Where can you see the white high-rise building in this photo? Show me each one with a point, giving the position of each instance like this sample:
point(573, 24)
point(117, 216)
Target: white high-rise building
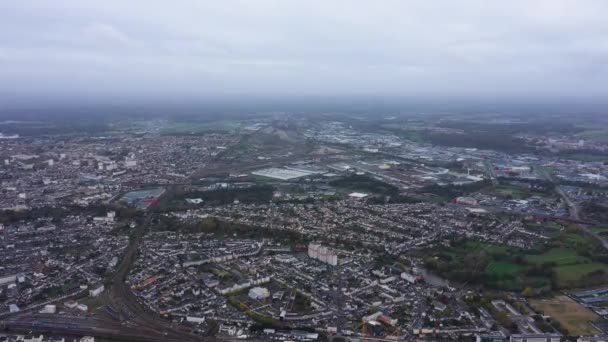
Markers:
point(313, 250)
point(323, 254)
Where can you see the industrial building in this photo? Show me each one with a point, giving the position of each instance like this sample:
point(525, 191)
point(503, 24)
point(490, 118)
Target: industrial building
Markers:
point(283, 174)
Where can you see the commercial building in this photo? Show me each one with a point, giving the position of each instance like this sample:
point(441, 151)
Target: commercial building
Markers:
point(282, 174)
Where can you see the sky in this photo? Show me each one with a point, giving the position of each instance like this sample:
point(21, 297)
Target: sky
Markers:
point(71, 50)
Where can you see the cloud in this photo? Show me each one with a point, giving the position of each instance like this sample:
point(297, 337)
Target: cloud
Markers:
point(106, 33)
point(329, 47)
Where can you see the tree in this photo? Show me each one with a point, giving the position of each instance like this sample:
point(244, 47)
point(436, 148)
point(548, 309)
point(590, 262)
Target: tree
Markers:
point(528, 292)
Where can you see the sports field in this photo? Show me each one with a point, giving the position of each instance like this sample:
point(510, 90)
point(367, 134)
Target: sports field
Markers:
point(570, 314)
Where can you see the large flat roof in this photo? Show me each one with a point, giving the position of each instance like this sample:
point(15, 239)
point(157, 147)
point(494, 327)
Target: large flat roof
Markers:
point(282, 174)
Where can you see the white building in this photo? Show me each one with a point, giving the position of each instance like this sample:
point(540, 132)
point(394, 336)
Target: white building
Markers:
point(70, 304)
point(8, 280)
point(409, 277)
point(259, 293)
point(358, 195)
point(31, 338)
point(192, 319)
point(313, 250)
point(323, 254)
point(96, 290)
point(130, 163)
point(49, 309)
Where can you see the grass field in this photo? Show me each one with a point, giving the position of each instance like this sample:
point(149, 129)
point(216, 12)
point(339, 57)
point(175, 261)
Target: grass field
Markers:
point(513, 191)
point(490, 248)
point(501, 268)
point(599, 229)
point(96, 303)
point(572, 273)
point(512, 269)
point(572, 239)
point(560, 256)
point(570, 314)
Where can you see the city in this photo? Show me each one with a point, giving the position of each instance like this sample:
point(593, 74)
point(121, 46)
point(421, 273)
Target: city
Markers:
point(291, 228)
point(304, 170)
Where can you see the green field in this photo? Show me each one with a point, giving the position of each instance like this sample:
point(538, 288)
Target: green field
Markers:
point(95, 303)
point(565, 263)
point(573, 239)
point(486, 247)
point(501, 268)
point(559, 256)
point(573, 273)
point(599, 230)
point(513, 191)
point(584, 157)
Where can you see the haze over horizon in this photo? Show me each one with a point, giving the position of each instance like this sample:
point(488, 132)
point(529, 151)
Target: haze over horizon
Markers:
point(68, 51)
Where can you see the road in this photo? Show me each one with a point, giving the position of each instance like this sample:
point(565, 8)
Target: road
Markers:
point(575, 215)
point(574, 210)
point(572, 207)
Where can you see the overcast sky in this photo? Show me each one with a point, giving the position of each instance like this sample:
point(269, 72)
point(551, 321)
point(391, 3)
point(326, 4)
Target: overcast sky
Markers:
point(191, 48)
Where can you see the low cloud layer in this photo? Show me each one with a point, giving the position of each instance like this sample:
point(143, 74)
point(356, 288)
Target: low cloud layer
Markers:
point(192, 48)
